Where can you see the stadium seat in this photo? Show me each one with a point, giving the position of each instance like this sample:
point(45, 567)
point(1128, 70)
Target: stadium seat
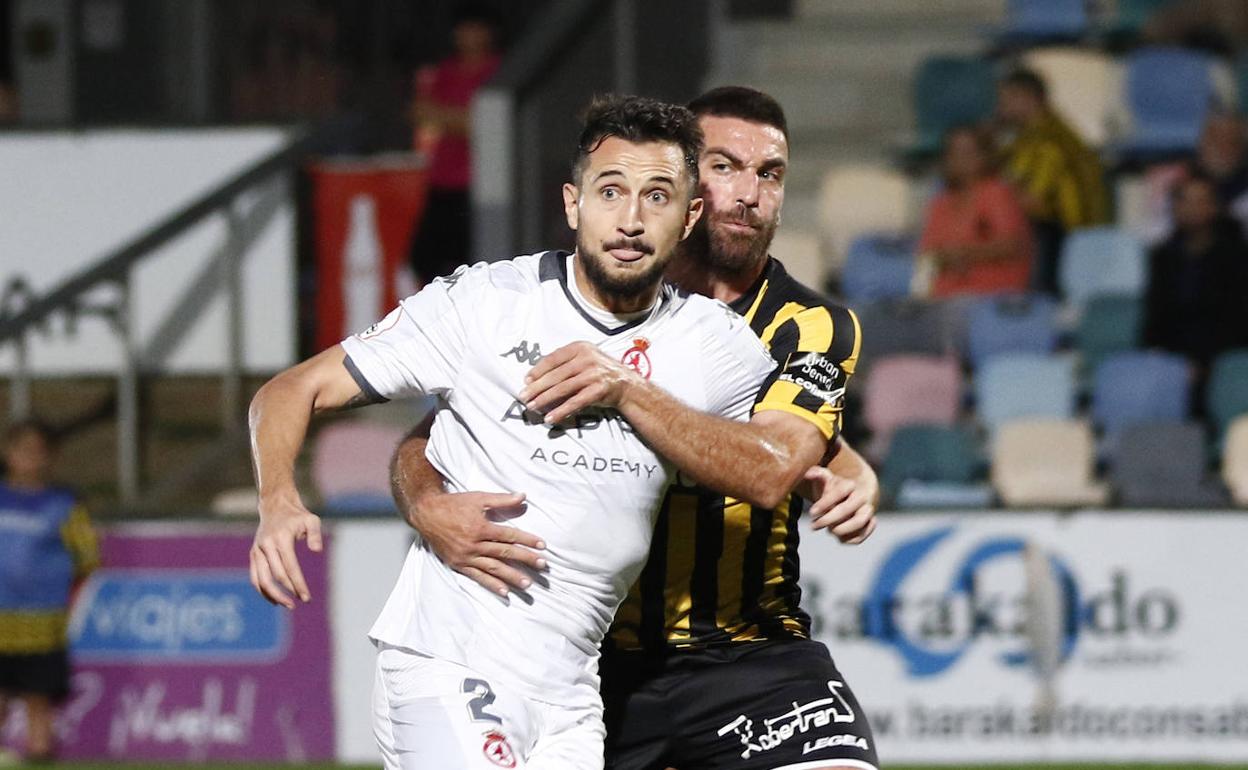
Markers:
point(902, 326)
point(910, 390)
point(854, 200)
point(950, 91)
point(801, 256)
point(350, 465)
point(1101, 260)
point(1235, 460)
point(1137, 387)
point(1174, 477)
point(1024, 385)
point(1227, 396)
point(1169, 92)
point(935, 466)
point(1046, 463)
point(878, 267)
point(1011, 324)
point(1038, 21)
point(1131, 15)
point(1108, 325)
point(1085, 87)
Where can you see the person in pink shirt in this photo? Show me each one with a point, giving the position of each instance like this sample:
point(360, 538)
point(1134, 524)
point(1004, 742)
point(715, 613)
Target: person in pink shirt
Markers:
point(442, 112)
point(976, 238)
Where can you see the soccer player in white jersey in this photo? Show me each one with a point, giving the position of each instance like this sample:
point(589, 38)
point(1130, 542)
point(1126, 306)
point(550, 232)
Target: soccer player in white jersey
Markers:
point(467, 678)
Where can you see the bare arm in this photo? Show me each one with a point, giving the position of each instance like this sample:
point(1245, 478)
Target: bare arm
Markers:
point(278, 420)
point(457, 526)
point(759, 461)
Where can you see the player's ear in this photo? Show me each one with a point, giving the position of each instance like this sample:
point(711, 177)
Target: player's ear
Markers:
point(692, 215)
point(570, 197)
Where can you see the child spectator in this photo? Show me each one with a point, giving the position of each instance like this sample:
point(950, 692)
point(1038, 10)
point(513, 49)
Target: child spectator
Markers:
point(47, 547)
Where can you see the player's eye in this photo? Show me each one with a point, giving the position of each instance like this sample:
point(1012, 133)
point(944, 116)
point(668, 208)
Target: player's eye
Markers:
point(720, 167)
point(658, 196)
point(610, 193)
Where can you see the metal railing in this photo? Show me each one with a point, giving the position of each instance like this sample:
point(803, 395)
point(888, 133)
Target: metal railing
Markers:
point(248, 202)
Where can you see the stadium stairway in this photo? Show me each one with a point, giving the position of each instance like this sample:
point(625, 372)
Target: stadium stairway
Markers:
point(843, 69)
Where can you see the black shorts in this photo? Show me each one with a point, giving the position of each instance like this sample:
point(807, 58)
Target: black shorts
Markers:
point(43, 674)
point(745, 706)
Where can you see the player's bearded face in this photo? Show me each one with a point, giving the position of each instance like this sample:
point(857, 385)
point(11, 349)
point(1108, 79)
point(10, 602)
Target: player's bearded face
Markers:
point(742, 177)
point(629, 211)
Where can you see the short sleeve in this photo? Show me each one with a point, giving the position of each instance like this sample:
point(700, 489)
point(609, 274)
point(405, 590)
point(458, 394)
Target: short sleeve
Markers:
point(419, 347)
point(817, 349)
point(738, 365)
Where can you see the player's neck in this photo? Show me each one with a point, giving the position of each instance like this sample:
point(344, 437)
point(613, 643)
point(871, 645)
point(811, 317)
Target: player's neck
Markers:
point(725, 287)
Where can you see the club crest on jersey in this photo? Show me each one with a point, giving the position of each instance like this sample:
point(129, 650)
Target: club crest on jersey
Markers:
point(635, 358)
point(498, 750)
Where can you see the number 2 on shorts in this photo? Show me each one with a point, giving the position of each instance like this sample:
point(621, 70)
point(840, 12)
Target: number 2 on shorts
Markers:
point(484, 697)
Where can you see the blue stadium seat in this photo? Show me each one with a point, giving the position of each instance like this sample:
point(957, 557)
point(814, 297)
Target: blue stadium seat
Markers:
point(878, 266)
point(1037, 21)
point(1138, 387)
point(1108, 325)
point(949, 91)
point(1227, 396)
point(1169, 92)
point(1175, 478)
point(1011, 324)
point(1101, 260)
point(1024, 385)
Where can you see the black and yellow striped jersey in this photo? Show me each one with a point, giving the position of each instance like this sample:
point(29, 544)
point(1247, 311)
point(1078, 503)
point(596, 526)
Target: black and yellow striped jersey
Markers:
point(721, 570)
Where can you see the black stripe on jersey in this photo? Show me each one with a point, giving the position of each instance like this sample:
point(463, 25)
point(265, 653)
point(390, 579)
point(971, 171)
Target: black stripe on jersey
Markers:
point(554, 266)
point(708, 547)
point(792, 559)
point(755, 561)
point(652, 633)
point(844, 334)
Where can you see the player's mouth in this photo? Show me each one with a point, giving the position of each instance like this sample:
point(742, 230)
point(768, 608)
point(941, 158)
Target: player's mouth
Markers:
point(738, 226)
point(629, 250)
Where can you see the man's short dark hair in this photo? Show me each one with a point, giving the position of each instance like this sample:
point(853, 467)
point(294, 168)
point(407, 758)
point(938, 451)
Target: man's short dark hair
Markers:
point(30, 425)
point(744, 103)
point(475, 12)
point(638, 119)
point(1027, 80)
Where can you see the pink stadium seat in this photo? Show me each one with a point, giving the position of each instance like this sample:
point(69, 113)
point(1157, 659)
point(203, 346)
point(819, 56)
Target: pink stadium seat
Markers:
point(352, 458)
point(909, 390)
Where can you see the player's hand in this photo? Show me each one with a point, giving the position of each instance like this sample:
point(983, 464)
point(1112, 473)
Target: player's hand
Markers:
point(843, 506)
point(575, 376)
point(458, 528)
point(275, 571)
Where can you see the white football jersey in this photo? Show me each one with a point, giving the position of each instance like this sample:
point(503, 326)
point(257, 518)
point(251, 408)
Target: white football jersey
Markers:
point(592, 484)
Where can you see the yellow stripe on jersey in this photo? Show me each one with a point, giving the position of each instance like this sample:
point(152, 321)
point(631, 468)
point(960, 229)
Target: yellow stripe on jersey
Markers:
point(783, 315)
point(815, 327)
point(32, 633)
point(80, 541)
point(731, 564)
point(749, 314)
point(681, 539)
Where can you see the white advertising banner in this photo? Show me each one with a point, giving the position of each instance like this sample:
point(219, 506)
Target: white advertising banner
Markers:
point(1129, 642)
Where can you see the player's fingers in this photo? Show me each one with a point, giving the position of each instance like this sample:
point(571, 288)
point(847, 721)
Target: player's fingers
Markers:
point(549, 391)
point(498, 500)
point(552, 361)
point(830, 497)
point(500, 534)
point(314, 533)
point(847, 507)
point(269, 588)
point(852, 526)
point(587, 392)
point(251, 570)
point(861, 536)
point(491, 584)
point(272, 550)
point(511, 552)
point(509, 576)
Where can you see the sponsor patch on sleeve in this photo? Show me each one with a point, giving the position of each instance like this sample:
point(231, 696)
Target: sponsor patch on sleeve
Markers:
point(816, 374)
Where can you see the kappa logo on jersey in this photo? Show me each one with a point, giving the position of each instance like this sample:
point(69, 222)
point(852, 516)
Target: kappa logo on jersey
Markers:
point(498, 750)
point(635, 358)
point(525, 354)
point(799, 720)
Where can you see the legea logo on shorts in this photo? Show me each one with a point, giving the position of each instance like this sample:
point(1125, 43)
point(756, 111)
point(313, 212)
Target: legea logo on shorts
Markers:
point(181, 616)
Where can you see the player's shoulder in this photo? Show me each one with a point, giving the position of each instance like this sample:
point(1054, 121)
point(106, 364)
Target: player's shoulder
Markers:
point(518, 275)
point(718, 325)
point(830, 324)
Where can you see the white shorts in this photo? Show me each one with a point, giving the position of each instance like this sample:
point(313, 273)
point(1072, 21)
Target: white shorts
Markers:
point(430, 714)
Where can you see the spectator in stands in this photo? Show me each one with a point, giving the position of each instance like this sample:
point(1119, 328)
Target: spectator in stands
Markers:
point(1217, 26)
point(1059, 180)
point(47, 547)
point(442, 112)
point(976, 232)
point(1198, 278)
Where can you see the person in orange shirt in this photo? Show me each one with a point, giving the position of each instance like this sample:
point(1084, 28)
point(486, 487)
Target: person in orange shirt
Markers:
point(976, 238)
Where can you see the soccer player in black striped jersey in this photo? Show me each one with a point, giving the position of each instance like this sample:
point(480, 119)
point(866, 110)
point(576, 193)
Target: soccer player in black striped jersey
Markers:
point(709, 663)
